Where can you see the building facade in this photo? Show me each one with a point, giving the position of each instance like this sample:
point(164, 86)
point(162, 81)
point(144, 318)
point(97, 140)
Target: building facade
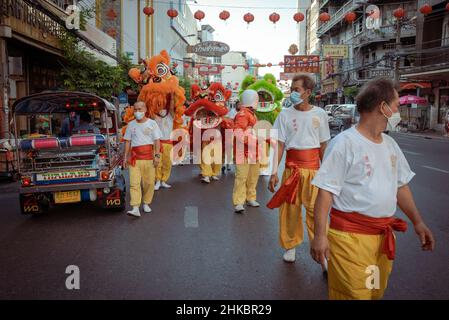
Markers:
point(30, 49)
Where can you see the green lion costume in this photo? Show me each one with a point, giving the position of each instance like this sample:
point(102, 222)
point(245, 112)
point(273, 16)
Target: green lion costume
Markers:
point(270, 96)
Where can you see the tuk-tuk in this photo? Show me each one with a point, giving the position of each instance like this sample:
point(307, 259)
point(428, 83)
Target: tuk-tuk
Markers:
point(68, 151)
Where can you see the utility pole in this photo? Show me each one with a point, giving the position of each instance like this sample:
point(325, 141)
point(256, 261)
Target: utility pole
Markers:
point(397, 61)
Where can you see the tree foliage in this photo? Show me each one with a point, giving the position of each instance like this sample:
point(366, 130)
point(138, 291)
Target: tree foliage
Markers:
point(82, 71)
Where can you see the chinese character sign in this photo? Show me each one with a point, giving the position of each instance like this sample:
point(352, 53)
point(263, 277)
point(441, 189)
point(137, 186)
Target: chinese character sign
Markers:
point(294, 64)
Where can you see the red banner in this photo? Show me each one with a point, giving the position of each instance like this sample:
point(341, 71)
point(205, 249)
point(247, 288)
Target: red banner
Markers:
point(295, 64)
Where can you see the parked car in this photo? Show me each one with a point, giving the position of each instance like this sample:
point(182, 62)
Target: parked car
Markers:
point(343, 116)
point(329, 108)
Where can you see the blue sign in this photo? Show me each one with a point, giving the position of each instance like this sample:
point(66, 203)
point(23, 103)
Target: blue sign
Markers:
point(123, 97)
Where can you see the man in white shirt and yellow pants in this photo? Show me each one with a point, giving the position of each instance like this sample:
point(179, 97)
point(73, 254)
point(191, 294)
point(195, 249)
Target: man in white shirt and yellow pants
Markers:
point(363, 177)
point(142, 154)
point(164, 120)
point(303, 131)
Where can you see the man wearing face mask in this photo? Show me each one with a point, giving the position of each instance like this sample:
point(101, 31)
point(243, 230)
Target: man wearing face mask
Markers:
point(303, 131)
point(362, 179)
point(164, 121)
point(142, 153)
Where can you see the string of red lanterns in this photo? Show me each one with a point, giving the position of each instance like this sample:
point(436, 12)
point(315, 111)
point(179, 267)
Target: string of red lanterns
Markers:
point(398, 13)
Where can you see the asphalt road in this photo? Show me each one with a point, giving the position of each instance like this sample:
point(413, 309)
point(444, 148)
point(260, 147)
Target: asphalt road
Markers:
point(193, 246)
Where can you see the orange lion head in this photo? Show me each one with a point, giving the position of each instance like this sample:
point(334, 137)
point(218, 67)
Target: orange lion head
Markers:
point(159, 86)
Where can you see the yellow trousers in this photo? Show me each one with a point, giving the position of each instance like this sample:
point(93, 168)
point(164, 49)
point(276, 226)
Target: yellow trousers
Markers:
point(291, 230)
point(245, 183)
point(208, 166)
point(163, 171)
point(357, 269)
point(141, 177)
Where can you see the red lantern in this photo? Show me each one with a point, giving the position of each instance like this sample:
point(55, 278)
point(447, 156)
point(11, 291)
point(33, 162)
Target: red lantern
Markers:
point(426, 9)
point(274, 17)
point(281, 63)
point(399, 13)
point(350, 17)
point(324, 17)
point(148, 11)
point(111, 14)
point(236, 83)
point(172, 13)
point(234, 67)
point(229, 83)
point(175, 64)
point(186, 65)
point(199, 15)
point(298, 17)
point(269, 64)
point(249, 17)
point(224, 15)
point(246, 67)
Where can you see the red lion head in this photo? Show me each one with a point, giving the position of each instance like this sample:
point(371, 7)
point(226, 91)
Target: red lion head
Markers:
point(208, 108)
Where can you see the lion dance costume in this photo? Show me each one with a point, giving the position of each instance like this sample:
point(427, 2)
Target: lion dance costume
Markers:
point(207, 113)
point(164, 98)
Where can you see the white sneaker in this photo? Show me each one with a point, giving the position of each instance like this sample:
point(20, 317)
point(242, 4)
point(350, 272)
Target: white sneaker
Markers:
point(134, 212)
point(290, 255)
point(157, 185)
point(239, 208)
point(215, 178)
point(205, 179)
point(253, 203)
point(146, 208)
point(165, 185)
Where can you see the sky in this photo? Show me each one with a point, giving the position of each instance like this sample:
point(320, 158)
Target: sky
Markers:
point(261, 39)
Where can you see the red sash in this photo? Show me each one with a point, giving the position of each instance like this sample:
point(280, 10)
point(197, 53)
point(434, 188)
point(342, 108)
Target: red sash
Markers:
point(141, 153)
point(296, 160)
point(358, 223)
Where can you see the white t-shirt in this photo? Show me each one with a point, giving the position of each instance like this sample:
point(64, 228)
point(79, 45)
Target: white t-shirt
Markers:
point(141, 134)
point(363, 176)
point(165, 124)
point(302, 130)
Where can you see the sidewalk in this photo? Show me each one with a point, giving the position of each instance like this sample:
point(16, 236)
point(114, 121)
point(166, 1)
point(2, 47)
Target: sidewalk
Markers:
point(424, 135)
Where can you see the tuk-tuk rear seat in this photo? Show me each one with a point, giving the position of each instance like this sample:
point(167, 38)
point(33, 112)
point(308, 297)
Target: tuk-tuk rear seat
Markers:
point(62, 142)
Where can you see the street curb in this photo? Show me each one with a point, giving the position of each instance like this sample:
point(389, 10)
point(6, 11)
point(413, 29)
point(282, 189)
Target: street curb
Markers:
point(424, 136)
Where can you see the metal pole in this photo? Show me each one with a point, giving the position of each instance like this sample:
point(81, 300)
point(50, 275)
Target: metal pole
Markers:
point(4, 84)
point(397, 56)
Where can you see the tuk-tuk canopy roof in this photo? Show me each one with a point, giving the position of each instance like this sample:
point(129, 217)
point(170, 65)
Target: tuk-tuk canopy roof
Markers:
point(60, 102)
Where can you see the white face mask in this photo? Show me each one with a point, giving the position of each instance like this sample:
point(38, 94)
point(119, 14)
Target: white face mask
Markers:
point(139, 115)
point(393, 121)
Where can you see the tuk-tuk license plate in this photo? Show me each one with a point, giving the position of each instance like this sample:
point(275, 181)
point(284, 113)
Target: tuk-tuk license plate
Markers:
point(67, 196)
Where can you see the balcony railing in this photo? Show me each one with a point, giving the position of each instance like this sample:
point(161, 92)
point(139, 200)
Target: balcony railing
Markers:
point(384, 33)
point(338, 16)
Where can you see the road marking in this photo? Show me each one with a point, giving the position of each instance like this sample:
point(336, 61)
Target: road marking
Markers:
point(413, 153)
point(191, 217)
point(436, 169)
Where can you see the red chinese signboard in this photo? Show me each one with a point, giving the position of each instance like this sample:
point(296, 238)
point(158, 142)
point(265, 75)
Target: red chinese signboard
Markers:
point(295, 64)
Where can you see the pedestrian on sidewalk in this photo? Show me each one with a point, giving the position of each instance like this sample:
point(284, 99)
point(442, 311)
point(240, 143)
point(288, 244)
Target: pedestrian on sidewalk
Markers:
point(303, 131)
point(363, 177)
point(142, 153)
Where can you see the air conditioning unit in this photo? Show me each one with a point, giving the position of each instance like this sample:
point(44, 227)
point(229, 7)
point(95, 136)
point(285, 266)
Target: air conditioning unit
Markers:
point(15, 66)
